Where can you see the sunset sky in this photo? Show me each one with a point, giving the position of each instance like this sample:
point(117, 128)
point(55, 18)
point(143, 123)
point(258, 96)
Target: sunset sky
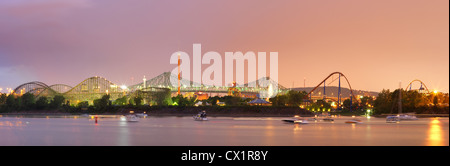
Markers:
point(376, 43)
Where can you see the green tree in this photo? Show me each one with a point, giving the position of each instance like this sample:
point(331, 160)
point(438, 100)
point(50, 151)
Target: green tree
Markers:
point(384, 102)
point(182, 101)
point(231, 100)
point(137, 100)
point(120, 101)
point(102, 103)
point(163, 97)
point(28, 101)
point(42, 103)
point(347, 105)
point(11, 102)
point(279, 100)
point(295, 98)
point(435, 100)
point(57, 101)
point(213, 100)
point(3, 97)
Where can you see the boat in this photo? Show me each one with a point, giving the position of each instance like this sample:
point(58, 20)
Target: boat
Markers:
point(296, 120)
point(141, 115)
point(392, 119)
point(407, 117)
point(353, 121)
point(200, 116)
point(132, 118)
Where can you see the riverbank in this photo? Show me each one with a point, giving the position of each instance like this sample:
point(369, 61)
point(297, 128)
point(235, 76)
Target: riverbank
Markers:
point(213, 111)
point(417, 115)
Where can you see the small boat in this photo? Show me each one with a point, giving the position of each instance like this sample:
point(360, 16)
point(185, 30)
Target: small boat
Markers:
point(200, 116)
point(296, 120)
point(132, 118)
point(392, 119)
point(407, 117)
point(353, 121)
point(141, 115)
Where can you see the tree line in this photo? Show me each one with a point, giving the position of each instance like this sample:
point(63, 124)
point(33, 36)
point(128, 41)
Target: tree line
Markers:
point(385, 103)
point(412, 101)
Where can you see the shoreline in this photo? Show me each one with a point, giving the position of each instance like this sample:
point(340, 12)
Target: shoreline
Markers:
point(159, 114)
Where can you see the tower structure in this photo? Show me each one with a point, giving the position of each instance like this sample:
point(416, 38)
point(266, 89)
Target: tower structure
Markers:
point(179, 75)
point(145, 82)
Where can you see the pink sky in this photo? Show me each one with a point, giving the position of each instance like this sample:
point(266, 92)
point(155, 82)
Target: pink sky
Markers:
point(376, 44)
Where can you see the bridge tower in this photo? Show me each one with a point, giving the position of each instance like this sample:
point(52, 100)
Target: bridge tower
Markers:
point(145, 81)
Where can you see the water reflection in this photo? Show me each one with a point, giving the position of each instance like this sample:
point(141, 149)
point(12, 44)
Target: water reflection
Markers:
point(435, 134)
point(114, 131)
point(12, 124)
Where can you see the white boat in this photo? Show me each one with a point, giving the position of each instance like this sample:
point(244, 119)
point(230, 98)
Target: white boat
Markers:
point(132, 118)
point(407, 117)
point(392, 119)
point(141, 115)
point(296, 120)
point(198, 118)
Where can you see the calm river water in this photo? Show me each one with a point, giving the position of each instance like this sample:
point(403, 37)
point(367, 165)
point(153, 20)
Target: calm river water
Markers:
point(218, 131)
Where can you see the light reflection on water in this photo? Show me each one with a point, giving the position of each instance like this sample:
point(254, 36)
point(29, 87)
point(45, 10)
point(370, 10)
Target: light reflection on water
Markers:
point(435, 134)
point(219, 131)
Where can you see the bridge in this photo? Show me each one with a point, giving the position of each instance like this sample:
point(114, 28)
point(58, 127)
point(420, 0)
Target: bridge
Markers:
point(164, 81)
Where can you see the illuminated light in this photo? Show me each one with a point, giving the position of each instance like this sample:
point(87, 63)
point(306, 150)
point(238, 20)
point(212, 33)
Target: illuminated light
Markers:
point(123, 87)
point(435, 91)
point(435, 134)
